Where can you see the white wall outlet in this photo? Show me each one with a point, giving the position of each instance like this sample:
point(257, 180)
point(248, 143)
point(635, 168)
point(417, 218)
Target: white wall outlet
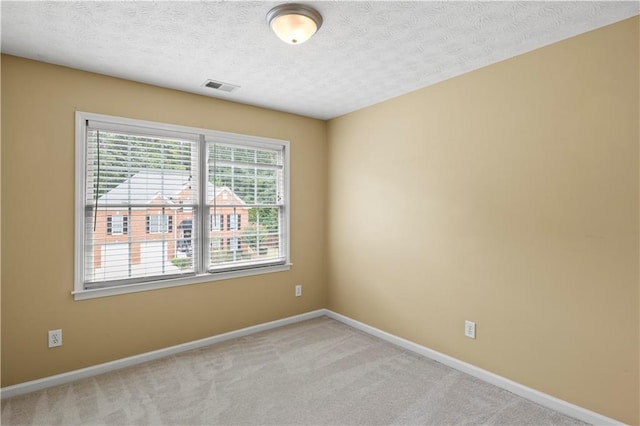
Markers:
point(470, 329)
point(55, 338)
point(298, 290)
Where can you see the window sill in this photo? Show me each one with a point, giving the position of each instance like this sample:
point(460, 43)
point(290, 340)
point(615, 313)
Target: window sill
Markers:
point(198, 279)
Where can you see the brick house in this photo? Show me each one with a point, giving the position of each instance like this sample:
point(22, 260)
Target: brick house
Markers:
point(144, 228)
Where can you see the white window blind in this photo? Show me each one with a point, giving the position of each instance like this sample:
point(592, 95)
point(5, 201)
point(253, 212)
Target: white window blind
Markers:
point(145, 178)
point(160, 205)
point(248, 191)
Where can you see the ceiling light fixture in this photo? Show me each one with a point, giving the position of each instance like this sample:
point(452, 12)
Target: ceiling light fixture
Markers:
point(294, 23)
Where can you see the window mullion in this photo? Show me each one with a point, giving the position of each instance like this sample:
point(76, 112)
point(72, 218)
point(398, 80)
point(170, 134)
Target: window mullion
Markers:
point(202, 210)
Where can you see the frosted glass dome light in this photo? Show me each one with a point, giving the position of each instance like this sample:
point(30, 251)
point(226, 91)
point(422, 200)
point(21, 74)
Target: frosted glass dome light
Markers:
point(294, 23)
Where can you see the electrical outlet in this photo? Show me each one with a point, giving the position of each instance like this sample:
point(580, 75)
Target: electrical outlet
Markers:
point(470, 329)
point(298, 290)
point(55, 338)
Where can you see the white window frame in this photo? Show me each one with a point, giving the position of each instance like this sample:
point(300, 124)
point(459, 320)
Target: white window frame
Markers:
point(201, 276)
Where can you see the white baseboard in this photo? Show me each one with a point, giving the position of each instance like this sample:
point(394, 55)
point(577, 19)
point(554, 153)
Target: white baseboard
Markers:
point(502, 382)
point(538, 397)
point(58, 379)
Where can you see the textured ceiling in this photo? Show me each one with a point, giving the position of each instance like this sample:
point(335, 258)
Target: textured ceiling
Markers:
point(364, 53)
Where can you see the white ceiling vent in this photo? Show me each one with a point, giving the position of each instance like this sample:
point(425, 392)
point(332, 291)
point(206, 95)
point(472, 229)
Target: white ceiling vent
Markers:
point(219, 85)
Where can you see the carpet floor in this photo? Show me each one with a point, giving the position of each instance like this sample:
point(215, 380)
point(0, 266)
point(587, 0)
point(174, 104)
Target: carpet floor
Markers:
point(316, 372)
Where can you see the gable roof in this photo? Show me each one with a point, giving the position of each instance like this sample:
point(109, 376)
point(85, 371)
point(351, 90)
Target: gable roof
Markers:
point(143, 187)
point(168, 185)
point(222, 191)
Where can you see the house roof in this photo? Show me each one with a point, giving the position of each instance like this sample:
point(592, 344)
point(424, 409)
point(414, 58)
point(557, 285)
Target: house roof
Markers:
point(165, 186)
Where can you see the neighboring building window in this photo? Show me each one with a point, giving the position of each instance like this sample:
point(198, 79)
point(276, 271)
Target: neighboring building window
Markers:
point(233, 243)
point(185, 230)
point(233, 222)
point(215, 222)
point(117, 225)
point(216, 244)
point(159, 224)
point(170, 180)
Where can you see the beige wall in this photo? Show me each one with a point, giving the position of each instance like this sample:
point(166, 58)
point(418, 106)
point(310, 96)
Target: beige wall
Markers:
point(507, 196)
point(38, 106)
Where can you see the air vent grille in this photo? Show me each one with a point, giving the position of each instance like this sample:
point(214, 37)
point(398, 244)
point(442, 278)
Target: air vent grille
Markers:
point(213, 84)
point(219, 85)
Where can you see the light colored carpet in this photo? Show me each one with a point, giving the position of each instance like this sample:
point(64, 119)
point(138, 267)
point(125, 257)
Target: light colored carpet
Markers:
point(314, 372)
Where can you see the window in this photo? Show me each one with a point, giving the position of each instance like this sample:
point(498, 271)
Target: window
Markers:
point(156, 186)
point(215, 222)
point(233, 222)
point(233, 243)
point(159, 224)
point(117, 225)
point(185, 232)
point(215, 244)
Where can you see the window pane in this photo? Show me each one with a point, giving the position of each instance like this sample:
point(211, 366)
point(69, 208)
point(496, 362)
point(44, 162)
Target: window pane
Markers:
point(140, 193)
point(262, 234)
point(240, 179)
point(253, 175)
point(258, 238)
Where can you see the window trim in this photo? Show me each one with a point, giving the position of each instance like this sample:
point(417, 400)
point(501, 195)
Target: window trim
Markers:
point(258, 268)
